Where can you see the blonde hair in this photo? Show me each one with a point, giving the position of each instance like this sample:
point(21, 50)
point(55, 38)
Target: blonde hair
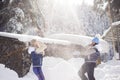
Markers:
point(40, 47)
point(33, 42)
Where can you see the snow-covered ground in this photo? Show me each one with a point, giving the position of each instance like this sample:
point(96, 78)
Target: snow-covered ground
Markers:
point(60, 69)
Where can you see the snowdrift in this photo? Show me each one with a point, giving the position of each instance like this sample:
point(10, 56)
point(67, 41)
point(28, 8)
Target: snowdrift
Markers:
point(57, 69)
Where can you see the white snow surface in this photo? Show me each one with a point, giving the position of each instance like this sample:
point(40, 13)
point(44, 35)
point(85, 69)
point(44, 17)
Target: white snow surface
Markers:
point(105, 6)
point(60, 69)
point(27, 38)
point(116, 23)
point(106, 31)
point(19, 12)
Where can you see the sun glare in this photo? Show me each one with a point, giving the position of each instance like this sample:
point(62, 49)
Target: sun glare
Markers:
point(77, 2)
point(89, 2)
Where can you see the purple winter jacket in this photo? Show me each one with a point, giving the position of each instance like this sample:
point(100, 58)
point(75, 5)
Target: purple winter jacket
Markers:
point(93, 57)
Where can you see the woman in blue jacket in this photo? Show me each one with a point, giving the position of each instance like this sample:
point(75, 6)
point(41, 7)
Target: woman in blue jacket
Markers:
point(36, 50)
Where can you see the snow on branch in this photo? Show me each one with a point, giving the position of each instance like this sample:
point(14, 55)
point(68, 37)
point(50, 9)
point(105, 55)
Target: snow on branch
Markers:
point(115, 23)
point(27, 38)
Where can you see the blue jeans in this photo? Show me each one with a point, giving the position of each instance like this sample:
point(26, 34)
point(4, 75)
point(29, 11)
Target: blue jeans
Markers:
point(39, 73)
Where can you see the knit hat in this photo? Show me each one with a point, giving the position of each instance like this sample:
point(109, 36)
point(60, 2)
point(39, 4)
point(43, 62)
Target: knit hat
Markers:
point(95, 40)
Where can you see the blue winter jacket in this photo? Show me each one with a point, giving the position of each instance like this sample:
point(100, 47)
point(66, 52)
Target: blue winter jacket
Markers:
point(36, 59)
point(93, 57)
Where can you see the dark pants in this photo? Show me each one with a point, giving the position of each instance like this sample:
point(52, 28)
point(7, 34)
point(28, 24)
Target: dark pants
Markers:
point(88, 68)
point(39, 73)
